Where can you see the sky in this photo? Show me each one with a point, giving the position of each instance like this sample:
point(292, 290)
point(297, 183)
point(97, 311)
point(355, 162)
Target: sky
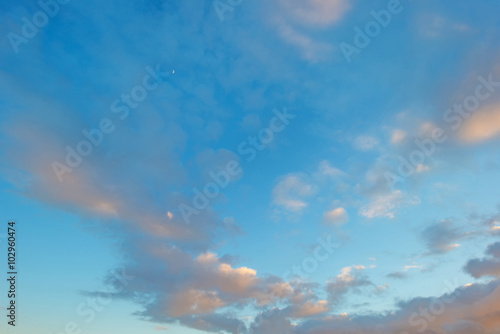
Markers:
point(252, 167)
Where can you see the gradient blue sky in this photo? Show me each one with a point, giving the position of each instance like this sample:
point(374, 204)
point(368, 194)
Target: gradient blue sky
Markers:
point(323, 177)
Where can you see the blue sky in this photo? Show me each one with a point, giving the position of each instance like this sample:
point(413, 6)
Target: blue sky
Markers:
point(228, 167)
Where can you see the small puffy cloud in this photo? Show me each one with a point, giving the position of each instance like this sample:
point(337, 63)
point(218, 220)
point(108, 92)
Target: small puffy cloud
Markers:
point(365, 143)
point(402, 274)
point(422, 168)
point(398, 136)
point(397, 275)
point(291, 193)
point(326, 169)
point(336, 217)
point(482, 125)
point(426, 129)
point(382, 288)
point(386, 205)
point(406, 268)
point(495, 228)
point(490, 222)
point(441, 237)
point(350, 279)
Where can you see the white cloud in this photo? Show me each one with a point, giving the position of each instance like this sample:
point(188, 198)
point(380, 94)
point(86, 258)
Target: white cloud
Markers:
point(387, 205)
point(434, 26)
point(365, 143)
point(406, 268)
point(398, 136)
point(336, 217)
point(290, 193)
point(326, 169)
point(311, 49)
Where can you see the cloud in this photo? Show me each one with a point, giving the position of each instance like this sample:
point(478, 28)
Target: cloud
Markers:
point(135, 180)
point(310, 48)
point(386, 205)
point(489, 266)
point(172, 286)
point(465, 327)
point(434, 26)
point(291, 193)
point(398, 136)
point(397, 275)
point(231, 227)
point(309, 308)
point(450, 313)
point(336, 217)
point(472, 308)
point(490, 222)
point(441, 237)
point(422, 168)
point(271, 322)
point(404, 273)
point(299, 20)
point(326, 169)
point(482, 125)
point(350, 279)
point(317, 13)
point(194, 302)
point(365, 143)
